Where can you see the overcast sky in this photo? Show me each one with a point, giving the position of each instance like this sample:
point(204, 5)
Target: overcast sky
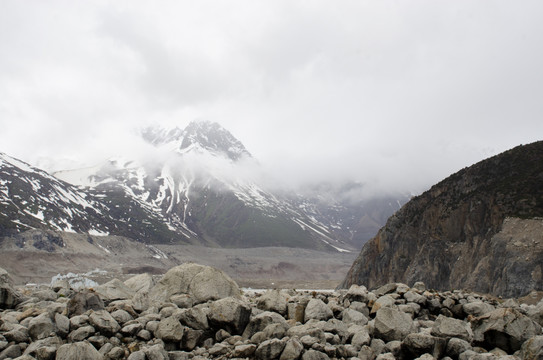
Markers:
point(397, 93)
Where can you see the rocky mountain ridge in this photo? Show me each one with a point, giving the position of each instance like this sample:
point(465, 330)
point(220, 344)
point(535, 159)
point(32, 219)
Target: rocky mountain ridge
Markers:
point(481, 229)
point(192, 188)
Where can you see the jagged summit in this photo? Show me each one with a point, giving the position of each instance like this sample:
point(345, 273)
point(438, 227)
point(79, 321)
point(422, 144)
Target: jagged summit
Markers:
point(200, 136)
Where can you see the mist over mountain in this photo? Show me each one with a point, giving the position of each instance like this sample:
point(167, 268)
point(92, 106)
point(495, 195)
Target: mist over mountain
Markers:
point(200, 185)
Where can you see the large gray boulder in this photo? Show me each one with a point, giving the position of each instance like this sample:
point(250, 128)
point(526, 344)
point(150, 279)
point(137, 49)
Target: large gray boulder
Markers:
point(316, 309)
point(532, 349)
point(273, 300)
point(140, 285)
point(350, 316)
point(104, 322)
point(83, 301)
point(230, 314)
point(203, 283)
point(477, 308)
point(392, 324)
point(417, 344)
point(170, 329)
point(504, 328)
point(41, 327)
point(270, 349)
point(78, 350)
point(293, 349)
point(447, 327)
point(114, 290)
point(156, 352)
point(260, 322)
point(45, 348)
point(9, 297)
point(195, 317)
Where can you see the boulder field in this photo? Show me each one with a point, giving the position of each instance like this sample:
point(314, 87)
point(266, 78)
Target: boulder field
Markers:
point(198, 312)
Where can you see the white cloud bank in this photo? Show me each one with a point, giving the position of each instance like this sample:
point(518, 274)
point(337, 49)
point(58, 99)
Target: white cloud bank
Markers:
point(397, 94)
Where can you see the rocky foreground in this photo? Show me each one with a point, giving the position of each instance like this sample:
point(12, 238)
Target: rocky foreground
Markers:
point(198, 312)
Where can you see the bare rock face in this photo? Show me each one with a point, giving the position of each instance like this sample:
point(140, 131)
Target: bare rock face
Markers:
point(202, 283)
point(480, 229)
point(9, 297)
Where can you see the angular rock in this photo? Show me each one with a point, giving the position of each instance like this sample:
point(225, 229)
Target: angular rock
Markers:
point(275, 330)
point(9, 297)
point(350, 316)
point(417, 344)
point(273, 300)
point(504, 328)
point(202, 283)
point(132, 329)
point(316, 309)
point(140, 285)
point(183, 301)
point(269, 349)
point(448, 327)
point(383, 301)
point(191, 338)
point(114, 290)
point(477, 308)
point(17, 334)
point(532, 349)
point(312, 328)
point(81, 333)
point(63, 325)
point(457, 346)
point(412, 296)
point(230, 314)
point(385, 289)
point(359, 293)
point(195, 317)
point(78, 350)
point(293, 349)
point(360, 339)
point(314, 355)
point(156, 352)
point(260, 321)
point(44, 348)
point(104, 322)
point(392, 324)
point(244, 351)
point(41, 327)
point(137, 355)
point(170, 329)
point(83, 301)
point(122, 316)
point(11, 352)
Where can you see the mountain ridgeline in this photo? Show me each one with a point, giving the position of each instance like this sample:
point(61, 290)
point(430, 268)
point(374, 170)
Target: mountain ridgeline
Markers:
point(192, 190)
point(480, 229)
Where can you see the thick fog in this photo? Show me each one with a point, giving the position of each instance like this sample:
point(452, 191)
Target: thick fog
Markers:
point(397, 95)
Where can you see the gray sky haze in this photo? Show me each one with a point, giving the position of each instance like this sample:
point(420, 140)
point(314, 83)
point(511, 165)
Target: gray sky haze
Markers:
point(395, 93)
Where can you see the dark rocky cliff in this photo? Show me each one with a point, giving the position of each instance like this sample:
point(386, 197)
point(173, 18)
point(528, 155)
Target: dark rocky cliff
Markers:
point(480, 229)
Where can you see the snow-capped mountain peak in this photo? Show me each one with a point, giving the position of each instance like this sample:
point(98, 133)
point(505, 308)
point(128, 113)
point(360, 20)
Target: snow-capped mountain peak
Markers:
point(199, 137)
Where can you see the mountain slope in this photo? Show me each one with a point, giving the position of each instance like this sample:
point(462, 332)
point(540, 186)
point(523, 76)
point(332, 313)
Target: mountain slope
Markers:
point(477, 229)
point(198, 182)
point(30, 198)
